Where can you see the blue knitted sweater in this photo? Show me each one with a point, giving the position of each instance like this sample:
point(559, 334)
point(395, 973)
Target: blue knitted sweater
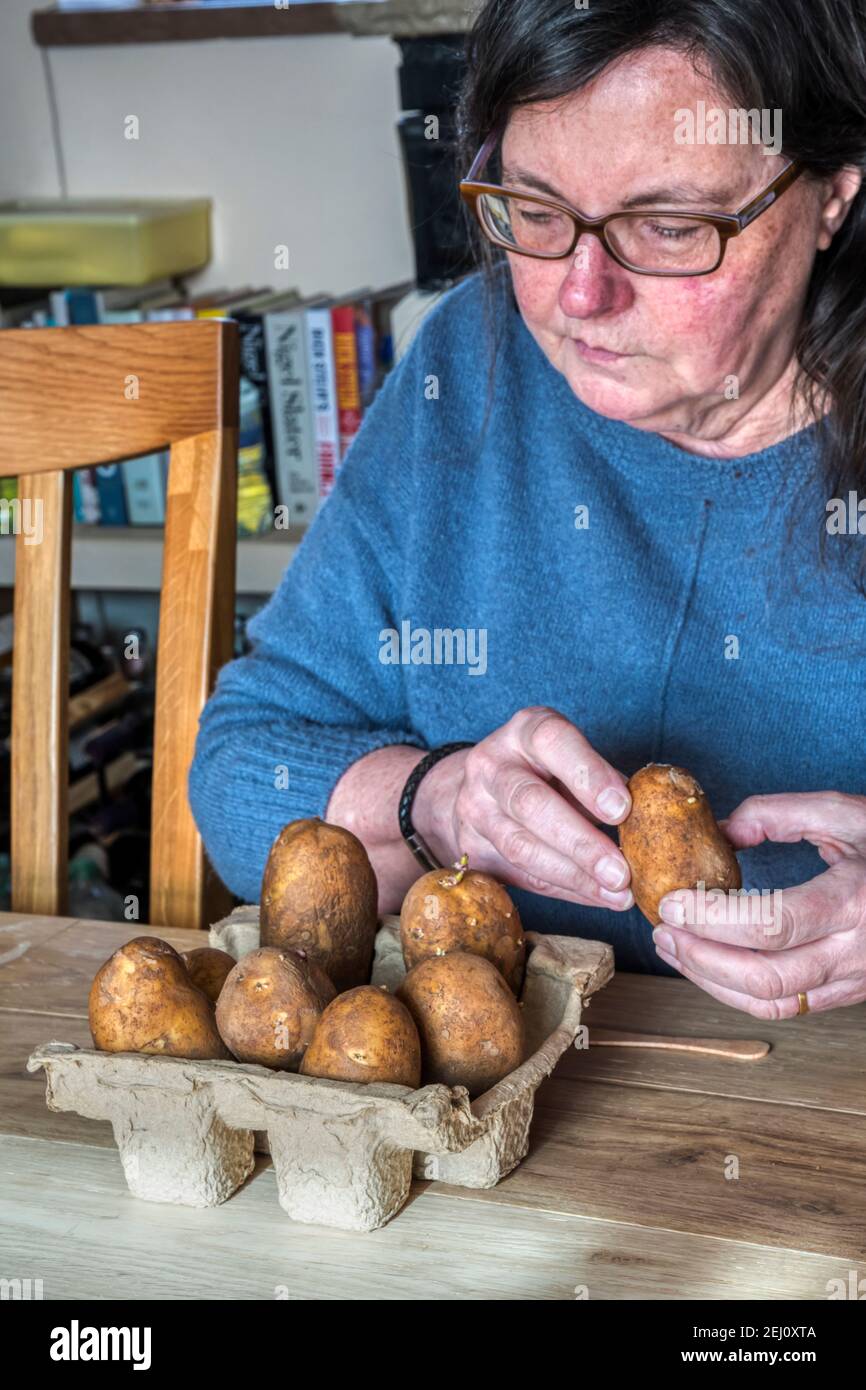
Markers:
point(467, 567)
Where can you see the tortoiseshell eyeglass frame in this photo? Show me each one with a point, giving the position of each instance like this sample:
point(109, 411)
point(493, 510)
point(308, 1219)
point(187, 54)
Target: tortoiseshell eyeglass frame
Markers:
point(728, 225)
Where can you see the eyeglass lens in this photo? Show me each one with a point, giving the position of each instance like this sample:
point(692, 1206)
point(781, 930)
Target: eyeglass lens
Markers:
point(651, 242)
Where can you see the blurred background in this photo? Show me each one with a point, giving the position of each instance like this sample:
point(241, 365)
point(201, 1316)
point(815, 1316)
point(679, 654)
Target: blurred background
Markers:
point(289, 166)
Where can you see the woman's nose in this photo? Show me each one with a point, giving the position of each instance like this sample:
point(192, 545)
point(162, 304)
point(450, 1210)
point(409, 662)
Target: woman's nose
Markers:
point(595, 284)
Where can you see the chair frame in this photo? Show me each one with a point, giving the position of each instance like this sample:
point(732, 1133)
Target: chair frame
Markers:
point(78, 397)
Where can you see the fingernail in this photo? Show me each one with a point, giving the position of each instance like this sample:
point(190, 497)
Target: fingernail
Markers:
point(673, 912)
point(612, 803)
point(622, 899)
point(664, 941)
point(612, 871)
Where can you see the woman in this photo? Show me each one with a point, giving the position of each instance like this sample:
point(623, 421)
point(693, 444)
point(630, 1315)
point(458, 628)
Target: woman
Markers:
point(586, 524)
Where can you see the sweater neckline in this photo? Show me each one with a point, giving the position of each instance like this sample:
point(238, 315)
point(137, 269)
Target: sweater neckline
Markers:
point(651, 455)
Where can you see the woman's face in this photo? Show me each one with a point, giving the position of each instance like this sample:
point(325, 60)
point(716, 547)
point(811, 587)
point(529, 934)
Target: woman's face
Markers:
point(691, 357)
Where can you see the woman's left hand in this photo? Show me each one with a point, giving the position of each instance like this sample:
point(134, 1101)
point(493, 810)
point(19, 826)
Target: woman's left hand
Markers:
point(809, 940)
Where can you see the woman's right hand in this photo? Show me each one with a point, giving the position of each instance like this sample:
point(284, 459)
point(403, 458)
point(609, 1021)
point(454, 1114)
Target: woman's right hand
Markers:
point(524, 805)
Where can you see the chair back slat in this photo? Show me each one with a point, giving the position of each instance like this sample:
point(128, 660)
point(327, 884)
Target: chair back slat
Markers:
point(39, 759)
point(198, 579)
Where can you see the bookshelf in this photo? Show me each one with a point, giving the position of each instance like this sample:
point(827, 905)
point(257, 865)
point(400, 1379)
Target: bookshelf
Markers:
point(120, 559)
point(223, 19)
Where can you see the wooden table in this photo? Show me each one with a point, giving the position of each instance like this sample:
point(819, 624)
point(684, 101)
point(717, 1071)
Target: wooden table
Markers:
point(623, 1195)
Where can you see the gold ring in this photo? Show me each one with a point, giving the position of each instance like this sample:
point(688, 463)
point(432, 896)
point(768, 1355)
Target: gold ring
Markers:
point(802, 1004)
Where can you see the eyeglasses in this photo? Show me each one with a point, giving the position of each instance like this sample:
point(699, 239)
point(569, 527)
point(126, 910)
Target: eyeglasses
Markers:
point(648, 242)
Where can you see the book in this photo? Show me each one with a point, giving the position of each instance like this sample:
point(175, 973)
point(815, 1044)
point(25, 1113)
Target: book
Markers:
point(248, 314)
point(58, 311)
point(83, 306)
point(144, 481)
point(255, 506)
point(112, 499)
point(85, 496)
point(323, 392)
point(365, 342)
point(294, 444)
point(346, 373)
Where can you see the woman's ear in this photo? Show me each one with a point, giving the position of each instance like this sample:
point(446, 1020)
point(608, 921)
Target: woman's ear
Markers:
point(839, 193)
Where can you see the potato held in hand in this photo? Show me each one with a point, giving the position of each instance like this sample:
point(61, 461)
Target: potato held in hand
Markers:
point(208, 968)
point(470, 1024)
point(453, 911)
point(319, 894)
point(671, 840)
point(142, 1000)
point(269, 1006)
point(365, 1035)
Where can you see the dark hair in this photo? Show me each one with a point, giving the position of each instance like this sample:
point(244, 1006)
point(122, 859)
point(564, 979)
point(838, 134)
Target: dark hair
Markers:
point(808, 61)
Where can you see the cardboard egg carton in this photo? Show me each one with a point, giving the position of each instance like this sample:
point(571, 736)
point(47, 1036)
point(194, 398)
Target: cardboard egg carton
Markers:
point(344, 1153)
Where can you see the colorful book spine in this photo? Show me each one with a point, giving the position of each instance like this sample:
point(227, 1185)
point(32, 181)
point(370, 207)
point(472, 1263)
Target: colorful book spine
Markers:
point(346, 369)
point(295, 456)
point(144, 485)
point(365, 341)
point(85, 496)
point(254, 367)
point(323, 390)
point(112, 500)
point(255, 512)
point(83, 306)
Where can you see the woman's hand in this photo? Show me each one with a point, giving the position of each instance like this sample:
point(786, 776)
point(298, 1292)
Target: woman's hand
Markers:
point(808, 940)
point(524, 805)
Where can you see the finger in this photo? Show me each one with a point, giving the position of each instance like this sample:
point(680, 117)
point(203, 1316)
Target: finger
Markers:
point(553, 745)
point(835, 995)
point(832, 819)
point(545, 870)
point(485, 855)
point(524, 798)
point(774, 919)
point(764, 974)
point(759, 1008)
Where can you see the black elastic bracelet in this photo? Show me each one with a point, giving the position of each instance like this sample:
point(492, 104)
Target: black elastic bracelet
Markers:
point(416, 843)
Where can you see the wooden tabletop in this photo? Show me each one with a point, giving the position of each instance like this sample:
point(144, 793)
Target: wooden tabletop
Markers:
point(649, 1175)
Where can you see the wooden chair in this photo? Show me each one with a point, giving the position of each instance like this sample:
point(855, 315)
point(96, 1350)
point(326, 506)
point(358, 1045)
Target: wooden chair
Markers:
point(79, 396)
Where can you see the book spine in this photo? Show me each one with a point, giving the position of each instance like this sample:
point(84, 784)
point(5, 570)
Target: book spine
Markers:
point(144, 485)
point(59, 308)
point(294, 446)
point(112, 502)
point(365, 341)
point(85, 496)
point(254, 366)
point(346, 369)
point(323, 390)
point(83, 306)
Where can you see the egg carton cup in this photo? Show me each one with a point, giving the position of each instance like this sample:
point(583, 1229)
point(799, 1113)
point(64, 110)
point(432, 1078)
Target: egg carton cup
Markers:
point(344, 1153)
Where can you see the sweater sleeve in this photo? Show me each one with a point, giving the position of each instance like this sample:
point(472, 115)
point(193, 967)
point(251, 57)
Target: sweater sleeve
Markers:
point(285, 721)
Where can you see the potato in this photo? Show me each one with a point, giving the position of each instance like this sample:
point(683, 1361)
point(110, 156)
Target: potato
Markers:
point(670, 838)
point(207, 968)
point(365, 1035)
point(319, 893)
point(270, 1004)
point(469, 1022)
point(445, 911)
point(143, 1000)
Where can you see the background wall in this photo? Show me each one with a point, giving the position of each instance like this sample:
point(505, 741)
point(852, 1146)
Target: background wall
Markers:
point(294, 139)
point(27, 158)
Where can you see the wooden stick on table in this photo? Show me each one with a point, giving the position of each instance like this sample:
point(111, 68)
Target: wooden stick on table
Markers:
point(737, 1049)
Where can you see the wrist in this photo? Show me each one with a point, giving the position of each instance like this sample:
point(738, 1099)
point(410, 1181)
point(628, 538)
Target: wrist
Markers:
point(363, 799)
point(433, 807)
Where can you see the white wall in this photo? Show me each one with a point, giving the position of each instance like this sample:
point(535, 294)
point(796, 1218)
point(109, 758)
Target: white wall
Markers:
point(27, 156)
point(294, 139)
